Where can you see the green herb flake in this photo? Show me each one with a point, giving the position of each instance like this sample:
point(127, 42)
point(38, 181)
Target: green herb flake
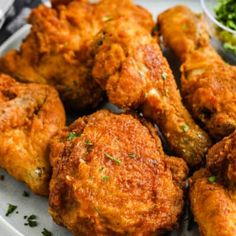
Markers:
point(46, 232)
point(164, 75)
point(32, 217)
point(72, 135)
point(11, 208)
point(89, 145)
point(105, 178)
point(117, 161)
point(184, 127)
point(185, 27)
point(132, 155)
point(155, 29)
point(26, 194)
point(212, 179)
point(31, 221)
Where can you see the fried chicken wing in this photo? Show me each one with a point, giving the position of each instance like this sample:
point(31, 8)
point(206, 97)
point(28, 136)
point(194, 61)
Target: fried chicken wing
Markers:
point(30, 114)
point(57, 50)
point(111, 177)
point(208, 83)
point(129, 65)
point(212, 191)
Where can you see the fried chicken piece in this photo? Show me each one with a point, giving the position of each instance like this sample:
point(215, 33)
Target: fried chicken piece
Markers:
point(111, 177)
point(221, 158)
point(208, 83)
point(212, 191)
point(57, 50)
point(30, 114)
point(129, 65)
point(213, 205)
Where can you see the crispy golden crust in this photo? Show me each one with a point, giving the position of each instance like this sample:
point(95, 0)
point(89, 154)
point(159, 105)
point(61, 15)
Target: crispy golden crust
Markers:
point(129, 65)
point(57, 51)
point(213, 206)
point(113, 179)
point(221, 158)
point(208, 83)
point(30, 114)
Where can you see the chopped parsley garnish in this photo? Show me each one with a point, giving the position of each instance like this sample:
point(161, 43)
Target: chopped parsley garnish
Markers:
point(105, 178)
point(164, 75)
point(155, 29)
point(212, 179)
point(185, 27)
point(31, 221)
point(184, 127)
point(46, 232)
point(89, 145)
point(132, 155)
point(117, 161)
point(11, 208)
point(26, 194)
point(72, 135)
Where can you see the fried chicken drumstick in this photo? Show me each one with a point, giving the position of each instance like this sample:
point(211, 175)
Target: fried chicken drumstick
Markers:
point(129, 65)
point(30, 114)
point(212, 191)
point(111, 177)
point(57, 50)
point(208, 83)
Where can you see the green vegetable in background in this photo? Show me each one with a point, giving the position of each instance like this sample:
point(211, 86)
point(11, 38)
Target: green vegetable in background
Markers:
point(225, 13)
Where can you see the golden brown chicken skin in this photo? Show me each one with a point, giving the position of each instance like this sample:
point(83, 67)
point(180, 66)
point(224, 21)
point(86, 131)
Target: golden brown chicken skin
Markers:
point(129, 65)
point(30, 114)
point(208, 83)
point(213, 205)
point(221, 158)
point(111, 177)
point(212, 191)
point(57, 50)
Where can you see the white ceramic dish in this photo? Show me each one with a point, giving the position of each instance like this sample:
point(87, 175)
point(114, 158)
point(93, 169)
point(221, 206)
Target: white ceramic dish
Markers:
point(11, 191)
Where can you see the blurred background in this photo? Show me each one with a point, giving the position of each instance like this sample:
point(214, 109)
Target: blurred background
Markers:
point(13, 14)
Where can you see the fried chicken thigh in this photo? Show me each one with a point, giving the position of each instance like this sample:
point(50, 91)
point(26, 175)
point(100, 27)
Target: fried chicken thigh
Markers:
point(212, 191)
point(208, 83)
point(30, 114)
point(129, 65)
point(111, 177)
point(57, 50)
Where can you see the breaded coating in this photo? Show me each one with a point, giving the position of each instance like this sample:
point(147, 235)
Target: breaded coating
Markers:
point(213, 205)
point(212, 191)
point(129, 65)
point(57, 50)
point(111, 177)
point(208, 83)
point(221, 158)
point(30, 114)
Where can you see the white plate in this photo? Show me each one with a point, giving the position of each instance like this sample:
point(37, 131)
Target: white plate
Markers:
point(11, 191)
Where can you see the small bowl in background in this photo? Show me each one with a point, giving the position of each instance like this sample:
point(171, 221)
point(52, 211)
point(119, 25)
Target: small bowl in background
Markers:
point(223, 37)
